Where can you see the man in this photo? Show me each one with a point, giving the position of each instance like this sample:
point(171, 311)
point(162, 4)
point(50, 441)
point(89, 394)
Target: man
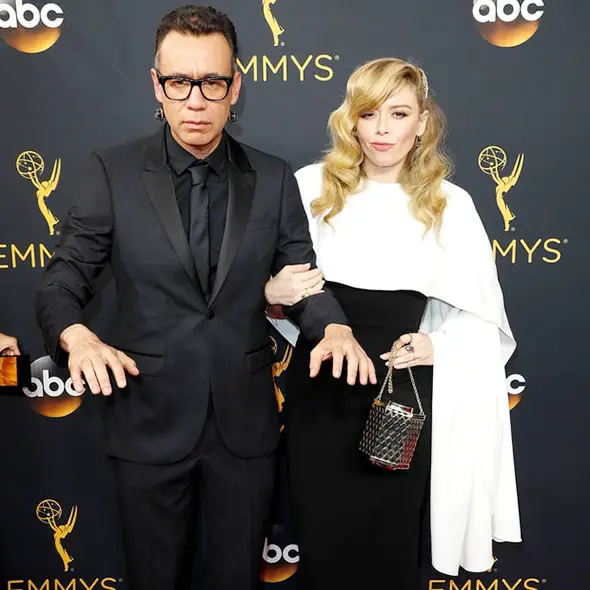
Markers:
point(193, 223)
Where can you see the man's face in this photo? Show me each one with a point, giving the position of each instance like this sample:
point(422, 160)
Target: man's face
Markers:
point(196, 123)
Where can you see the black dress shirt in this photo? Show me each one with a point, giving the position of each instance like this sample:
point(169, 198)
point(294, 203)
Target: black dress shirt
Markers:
point(180, 161)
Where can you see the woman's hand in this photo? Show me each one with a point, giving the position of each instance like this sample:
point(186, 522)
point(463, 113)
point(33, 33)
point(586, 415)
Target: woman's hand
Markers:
point(411, 350)
point(293, 283)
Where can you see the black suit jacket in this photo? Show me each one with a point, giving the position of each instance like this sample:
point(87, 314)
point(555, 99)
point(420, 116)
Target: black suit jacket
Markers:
point(184, 347)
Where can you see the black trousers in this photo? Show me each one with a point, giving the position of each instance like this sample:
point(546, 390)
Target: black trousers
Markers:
point(159, 506)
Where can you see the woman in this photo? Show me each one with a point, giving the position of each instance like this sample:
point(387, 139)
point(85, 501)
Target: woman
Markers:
point(407, 257)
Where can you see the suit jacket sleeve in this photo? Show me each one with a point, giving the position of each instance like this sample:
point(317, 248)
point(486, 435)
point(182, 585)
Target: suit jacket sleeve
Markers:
point(313, 313)
point(83, 252)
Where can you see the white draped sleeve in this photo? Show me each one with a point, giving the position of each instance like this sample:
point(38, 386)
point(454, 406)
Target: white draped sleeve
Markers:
point(473, 487)
point(473, 494)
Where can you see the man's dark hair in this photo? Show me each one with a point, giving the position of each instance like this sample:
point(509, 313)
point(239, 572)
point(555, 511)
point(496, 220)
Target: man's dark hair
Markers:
point(198, 20)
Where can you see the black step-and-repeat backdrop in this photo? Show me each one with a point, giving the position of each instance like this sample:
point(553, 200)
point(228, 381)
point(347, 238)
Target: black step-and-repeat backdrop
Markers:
point(511, 76)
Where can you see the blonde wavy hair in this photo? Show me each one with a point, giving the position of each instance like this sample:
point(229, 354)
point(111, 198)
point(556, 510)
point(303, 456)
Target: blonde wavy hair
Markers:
point(426, 165)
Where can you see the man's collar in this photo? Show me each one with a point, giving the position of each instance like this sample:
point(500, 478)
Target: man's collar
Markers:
point(179, 159)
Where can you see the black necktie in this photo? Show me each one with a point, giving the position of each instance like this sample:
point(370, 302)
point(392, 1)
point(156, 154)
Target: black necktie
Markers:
point(199, 225)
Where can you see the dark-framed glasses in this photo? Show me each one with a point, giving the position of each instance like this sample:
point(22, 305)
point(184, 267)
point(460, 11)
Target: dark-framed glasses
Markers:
point(212, 88)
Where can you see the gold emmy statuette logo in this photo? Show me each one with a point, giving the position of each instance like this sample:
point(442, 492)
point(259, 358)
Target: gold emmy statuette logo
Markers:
point(30, 165)
point(29, 27)
point(272, 22)
point(50, 512)
point(278, 368)
point(492, 160)
point(508, 23)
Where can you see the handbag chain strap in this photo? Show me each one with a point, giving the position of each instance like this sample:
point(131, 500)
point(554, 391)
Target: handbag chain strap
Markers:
point(388, 382)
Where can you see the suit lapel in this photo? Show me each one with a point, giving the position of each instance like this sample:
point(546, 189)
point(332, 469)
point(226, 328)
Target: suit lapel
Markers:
point(158, 183)
point(240, 193)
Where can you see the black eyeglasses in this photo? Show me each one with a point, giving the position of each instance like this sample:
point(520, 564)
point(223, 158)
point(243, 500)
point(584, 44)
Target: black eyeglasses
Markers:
point(213, 88)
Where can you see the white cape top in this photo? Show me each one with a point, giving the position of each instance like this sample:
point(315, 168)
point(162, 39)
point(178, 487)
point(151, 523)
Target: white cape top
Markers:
point(375, 243)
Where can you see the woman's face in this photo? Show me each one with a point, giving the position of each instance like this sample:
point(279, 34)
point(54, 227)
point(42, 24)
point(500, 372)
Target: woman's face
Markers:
point(387, 134)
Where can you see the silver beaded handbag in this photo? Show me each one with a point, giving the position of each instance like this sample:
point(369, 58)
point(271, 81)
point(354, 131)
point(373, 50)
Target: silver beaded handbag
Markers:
point(392, 430)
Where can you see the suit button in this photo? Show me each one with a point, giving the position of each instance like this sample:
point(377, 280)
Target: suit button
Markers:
point(210, 314)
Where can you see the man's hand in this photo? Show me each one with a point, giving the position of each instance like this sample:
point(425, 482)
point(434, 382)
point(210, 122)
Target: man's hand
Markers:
point(339, 343)
point(89, 359)
point(8, 345)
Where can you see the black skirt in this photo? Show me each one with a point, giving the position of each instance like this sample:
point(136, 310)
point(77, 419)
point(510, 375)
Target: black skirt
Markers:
point(358, 526)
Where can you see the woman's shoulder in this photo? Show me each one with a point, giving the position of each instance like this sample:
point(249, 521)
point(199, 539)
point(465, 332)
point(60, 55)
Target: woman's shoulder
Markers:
point(455, 194)
point(459, 201)
point(460, 214)
point(310, 173)
point(310, 178)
